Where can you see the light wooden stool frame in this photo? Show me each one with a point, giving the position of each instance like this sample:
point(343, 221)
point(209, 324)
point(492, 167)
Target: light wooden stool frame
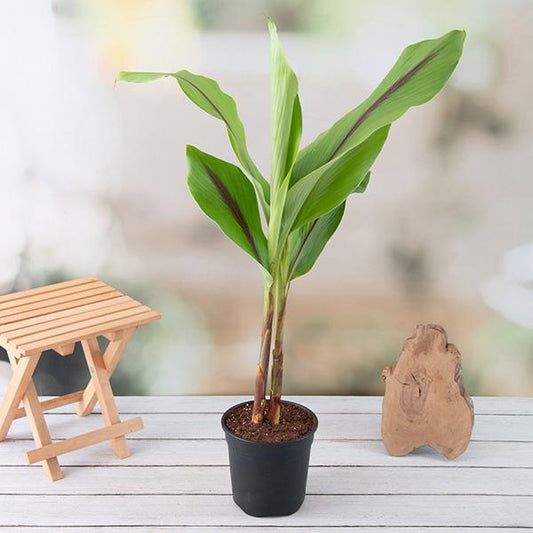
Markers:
point(55, 317)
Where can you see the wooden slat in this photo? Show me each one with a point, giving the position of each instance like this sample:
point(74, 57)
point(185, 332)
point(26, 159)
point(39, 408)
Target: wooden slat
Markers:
point(324, 453)
point(131, 321)
point(117, 479)
point(7, 321)
point(331, 426)
point(210, 510)
point(47, 289)
point(354, 485)
point(84, 440)
point(65, 323)
point(484, 405)
point(65, 349)
point(41, 319)
point(42, 297)
point(46, 304)
point(80, 327)
point(53, 403)
point(41, 433)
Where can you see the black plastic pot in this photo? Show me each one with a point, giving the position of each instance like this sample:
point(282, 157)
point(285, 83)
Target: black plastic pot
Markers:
point(269, 479)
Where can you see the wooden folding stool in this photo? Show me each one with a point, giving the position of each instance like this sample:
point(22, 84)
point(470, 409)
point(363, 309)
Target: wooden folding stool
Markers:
point(56, 317)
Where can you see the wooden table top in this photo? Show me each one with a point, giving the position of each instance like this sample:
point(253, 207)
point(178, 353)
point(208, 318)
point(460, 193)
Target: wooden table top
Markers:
point(177, 477)
point(47, 317)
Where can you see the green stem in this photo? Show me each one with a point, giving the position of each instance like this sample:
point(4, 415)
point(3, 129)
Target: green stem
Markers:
point(276, 380)
point(261, 372)
point(278, 268)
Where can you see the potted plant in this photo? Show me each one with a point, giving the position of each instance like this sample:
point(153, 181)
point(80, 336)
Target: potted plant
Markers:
point(284, 224)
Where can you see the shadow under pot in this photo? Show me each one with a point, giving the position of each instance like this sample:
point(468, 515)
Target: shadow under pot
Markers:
point(269, 478)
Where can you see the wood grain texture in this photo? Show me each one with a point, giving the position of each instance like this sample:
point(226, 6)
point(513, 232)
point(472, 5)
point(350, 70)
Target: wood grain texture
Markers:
point(47, 292)
point(425, 400)
point(41, 434)
point(485, 405)
point(112, 355)
point(212, 510)
point(40, 431)
point(57, 316)
point(43, 305)
point(175, 484)
point(117, 479)
point(65, 349)
point(53, 403)
point(48, 288)
point(69, 312)
point(128, 320)
point(104, 393)
point(338, 426)
point(86, 439)
point(22, 376)
point(199, 452)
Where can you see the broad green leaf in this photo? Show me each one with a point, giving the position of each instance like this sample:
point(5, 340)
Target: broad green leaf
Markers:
point(419, 74)
point(285, 112)
point(276, 241)
point(295, 135)
point(207, 95)
point(226, 196)
point(361, 188)
point(327, 187)
point(306, 243)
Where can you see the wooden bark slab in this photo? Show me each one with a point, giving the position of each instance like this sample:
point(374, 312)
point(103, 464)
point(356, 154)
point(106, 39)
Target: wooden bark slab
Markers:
point(425, 401)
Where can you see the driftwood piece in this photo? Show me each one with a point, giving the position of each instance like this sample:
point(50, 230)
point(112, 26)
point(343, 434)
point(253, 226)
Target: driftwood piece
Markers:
point(425, 401)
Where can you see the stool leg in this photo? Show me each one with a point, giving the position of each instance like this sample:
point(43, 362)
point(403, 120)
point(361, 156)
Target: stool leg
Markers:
point(104, 393)
point(112, 357)
point(22, 373)
point(40, 431)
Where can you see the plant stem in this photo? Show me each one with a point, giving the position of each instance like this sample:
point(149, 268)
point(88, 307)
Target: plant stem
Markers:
point(261, 371)
point(276, 380)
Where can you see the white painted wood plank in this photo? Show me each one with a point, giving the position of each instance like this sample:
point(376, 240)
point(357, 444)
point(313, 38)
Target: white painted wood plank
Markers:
point(205, 510)
point(352, 483)
point(207, 426)
point(319, 404)
point(323, 453)
point(244, 529)
point(322, 480)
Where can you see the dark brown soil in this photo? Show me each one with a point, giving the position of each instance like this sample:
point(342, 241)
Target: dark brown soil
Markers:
point(295, 422)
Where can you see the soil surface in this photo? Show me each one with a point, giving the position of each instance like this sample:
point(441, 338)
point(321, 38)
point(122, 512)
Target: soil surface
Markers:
point(295, 422)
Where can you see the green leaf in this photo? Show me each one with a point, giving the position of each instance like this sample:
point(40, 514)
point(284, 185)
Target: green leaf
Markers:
point(275, 250)
point(361, 188)
point(139, 77)
point(306, 243)
point(324, 189)
point(226, 196)
point(419, 74)
point(207, 95)
point(295, 135)
point(285, 112)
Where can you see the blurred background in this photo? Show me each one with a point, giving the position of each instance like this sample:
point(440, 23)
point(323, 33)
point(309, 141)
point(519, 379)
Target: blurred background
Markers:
point(93, 182)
